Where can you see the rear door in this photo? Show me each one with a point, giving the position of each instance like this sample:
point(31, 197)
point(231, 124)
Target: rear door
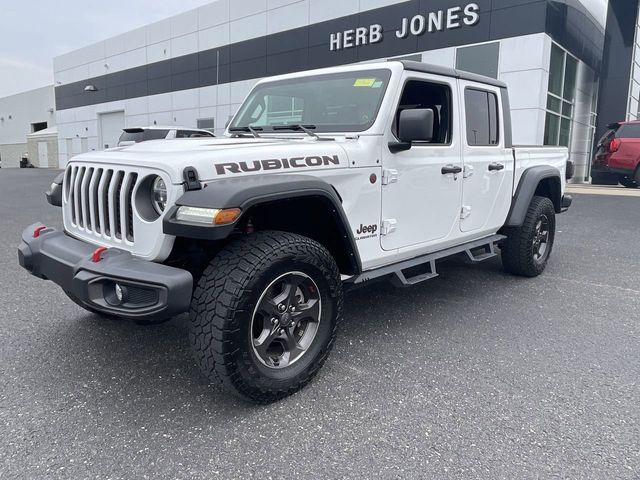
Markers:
point(488, 162)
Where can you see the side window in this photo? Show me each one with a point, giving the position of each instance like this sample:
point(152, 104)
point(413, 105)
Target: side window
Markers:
point(435, 96)
point(183, 134)
point(481, 109)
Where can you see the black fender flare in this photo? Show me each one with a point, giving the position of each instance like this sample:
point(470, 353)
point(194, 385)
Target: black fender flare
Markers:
point(247, 192)
point(527, 186)
point(54, 193)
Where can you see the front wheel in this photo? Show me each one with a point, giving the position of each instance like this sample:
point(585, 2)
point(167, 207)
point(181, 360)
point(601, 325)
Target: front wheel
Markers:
point(264, 314)
point(527, 248)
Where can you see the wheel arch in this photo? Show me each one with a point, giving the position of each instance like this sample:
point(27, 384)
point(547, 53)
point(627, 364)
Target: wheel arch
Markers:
point(300, 204)
point(541, 180)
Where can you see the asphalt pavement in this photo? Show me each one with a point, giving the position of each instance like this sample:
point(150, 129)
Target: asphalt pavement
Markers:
point(475, 374)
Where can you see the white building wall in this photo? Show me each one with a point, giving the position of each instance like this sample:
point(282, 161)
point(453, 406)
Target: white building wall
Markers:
point(17, 113)
point(227, 21)
point(526, 76)
point(212, 25)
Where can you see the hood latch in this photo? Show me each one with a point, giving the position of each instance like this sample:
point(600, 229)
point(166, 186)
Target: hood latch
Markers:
point(191, 181)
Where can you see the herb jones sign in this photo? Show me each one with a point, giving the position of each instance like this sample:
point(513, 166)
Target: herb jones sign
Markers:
point(454, 17)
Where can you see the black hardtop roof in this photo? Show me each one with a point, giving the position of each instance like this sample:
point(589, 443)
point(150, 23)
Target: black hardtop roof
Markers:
point(450, 72)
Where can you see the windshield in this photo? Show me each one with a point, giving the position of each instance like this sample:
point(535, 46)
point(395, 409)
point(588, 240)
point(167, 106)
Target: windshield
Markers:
point(144, 135)
point(340, 102)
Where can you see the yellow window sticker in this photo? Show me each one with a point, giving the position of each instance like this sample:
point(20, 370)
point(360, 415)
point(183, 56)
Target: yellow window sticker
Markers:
point(364, 82)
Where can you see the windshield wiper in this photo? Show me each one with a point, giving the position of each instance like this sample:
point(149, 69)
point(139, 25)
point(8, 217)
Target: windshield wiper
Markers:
point(301, 128)
point(252, 130)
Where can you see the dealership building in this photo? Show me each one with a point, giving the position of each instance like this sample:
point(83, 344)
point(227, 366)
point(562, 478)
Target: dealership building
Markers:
point(571, 66)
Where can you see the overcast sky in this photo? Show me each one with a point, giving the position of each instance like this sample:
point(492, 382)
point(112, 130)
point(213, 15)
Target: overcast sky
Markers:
point(32, 32)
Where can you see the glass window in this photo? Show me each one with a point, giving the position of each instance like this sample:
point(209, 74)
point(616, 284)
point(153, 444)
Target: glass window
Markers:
point(565, 132)
point(481, 109)
point(434, 96)
point(191, 134)
point(563, 70)
point(569, 89)
point(339, 102)
point(556, 70)
point(480, 59)
point(138, 135)
point(629, 130)
point(553, 103)
point(551, 129)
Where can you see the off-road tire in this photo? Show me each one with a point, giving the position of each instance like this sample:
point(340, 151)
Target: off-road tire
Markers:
point(517, 250)
point(224, 302)
point(628, 182)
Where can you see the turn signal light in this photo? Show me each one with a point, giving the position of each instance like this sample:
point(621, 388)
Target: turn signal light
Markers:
point(614, 145)
point(209, 216)
point(226, 216)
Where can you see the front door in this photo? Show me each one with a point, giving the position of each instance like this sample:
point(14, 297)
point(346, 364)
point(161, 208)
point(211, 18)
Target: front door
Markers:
point(420, 203)
point(488, 164)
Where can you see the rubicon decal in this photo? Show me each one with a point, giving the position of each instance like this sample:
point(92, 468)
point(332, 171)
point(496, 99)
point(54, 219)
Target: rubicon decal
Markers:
point(277, 164)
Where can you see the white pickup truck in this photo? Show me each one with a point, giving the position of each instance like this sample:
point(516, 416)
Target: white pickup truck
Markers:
point(324, 179)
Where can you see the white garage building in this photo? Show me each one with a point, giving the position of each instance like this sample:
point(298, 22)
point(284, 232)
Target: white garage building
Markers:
point(194, 69)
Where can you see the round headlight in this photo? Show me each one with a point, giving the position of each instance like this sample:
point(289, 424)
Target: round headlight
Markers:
point(159, 195)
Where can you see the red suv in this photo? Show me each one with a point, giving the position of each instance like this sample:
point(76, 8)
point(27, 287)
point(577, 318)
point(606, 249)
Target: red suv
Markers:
point(617, 158)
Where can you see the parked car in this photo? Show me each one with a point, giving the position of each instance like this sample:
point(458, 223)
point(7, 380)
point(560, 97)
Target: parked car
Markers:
point(379, 171)
point(134, 135)
point(617, 158)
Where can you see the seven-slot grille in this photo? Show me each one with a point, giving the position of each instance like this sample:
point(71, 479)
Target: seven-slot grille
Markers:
point(100, 201)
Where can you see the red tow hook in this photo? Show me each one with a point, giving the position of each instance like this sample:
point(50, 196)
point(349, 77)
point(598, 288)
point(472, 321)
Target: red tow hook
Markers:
point(36, 232)
point(97, 254)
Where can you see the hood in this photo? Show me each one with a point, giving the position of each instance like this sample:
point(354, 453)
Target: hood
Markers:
point(225, 157)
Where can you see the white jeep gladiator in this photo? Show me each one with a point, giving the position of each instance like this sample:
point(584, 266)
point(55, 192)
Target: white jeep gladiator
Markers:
point(324, 179)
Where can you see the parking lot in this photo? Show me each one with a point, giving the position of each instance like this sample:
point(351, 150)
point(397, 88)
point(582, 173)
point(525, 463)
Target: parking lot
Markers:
point(476, 374)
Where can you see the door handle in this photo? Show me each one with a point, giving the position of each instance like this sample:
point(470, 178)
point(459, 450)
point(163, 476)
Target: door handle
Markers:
point(451, 169)
point(494, 167)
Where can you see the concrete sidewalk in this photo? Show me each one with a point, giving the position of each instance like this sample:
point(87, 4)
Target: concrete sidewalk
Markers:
point(587, 189)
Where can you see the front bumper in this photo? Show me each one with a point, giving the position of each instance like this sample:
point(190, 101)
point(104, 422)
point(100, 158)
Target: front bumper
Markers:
point(149, 291)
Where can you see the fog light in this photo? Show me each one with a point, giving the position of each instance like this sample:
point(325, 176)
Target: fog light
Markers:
point(119, 292)
point(116, 294)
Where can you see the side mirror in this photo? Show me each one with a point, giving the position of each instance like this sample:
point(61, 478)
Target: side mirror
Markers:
point(416, 125)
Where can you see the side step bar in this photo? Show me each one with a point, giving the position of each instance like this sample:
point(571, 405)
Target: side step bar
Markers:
point(476, 251)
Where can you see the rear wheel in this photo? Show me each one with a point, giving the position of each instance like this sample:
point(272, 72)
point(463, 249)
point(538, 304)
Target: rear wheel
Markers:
point(527, 248)
point(628, 182)
point(264, 314)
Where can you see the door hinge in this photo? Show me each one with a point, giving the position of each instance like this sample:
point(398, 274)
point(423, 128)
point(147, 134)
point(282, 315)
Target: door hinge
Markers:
point(389, 175)
point(388, 226)
point(465, 211)
point(467, 171)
